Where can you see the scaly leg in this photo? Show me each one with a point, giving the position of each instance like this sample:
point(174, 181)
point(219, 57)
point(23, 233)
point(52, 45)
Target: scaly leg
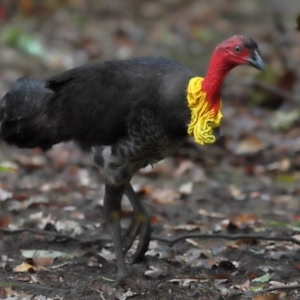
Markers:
point(112, 211)
point(140, 225)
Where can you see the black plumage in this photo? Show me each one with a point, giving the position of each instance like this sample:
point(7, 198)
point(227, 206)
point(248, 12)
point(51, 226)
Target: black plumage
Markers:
point(127, 114)
point(67, 104)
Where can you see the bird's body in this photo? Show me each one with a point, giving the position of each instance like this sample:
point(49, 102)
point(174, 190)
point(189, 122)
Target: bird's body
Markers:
point(128, 114)
point(100, 92)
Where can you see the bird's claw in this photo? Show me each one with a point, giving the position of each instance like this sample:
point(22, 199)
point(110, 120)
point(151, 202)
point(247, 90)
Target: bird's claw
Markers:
point(131, 278)
point(139, 226)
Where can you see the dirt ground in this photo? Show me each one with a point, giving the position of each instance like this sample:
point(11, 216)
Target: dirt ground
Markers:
point(54, 240)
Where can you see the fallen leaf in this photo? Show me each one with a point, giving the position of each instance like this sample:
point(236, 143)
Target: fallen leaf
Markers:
point(249, 146)
point(4, 221)
point(203, 212)
point(263, 279)
point(187, 227)
point(68, 226)
point(125, 295)
point(35, 279)
point(236, 193)
point(284, 119)
point(279, 284)
point(164, 196)
point(183, 167)
point(24, 267)
point(244, 286)
point(46, 254)
point(17, 205)
point(5, 195)
point(267, 296)
point(43, 261)
point(245, 219)
point(185, 282)
point(153, 272)
point(186, 188)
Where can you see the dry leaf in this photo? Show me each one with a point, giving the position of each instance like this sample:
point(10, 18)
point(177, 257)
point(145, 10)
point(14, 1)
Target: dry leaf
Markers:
point(249, 145)
point(203, 212)
point(5, 195)
point(164, 196)
point(153, 272)
point(245, 219)
point(183, 167)
point(186, 188)
point(185, 281)
point(24, 267)
point(187, 227)
point(236, 193)
point(267, 296)
point(244, 286)
point(43, 261)
point(35, 254)
point(35, 279)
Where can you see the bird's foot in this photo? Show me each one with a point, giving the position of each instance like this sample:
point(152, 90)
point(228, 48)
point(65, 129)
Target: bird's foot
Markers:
point(132, 278)
point(140, 226)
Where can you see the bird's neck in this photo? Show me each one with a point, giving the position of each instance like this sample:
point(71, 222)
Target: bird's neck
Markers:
point(212, 82)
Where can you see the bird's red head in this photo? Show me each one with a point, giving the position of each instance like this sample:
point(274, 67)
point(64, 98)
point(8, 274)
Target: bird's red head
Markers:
point(235, 51)
point(239, 50)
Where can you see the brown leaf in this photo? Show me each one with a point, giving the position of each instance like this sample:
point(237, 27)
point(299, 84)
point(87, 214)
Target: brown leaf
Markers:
point(248, 219)
point(4, 221)
point(43, 261)
point(164, 196)
point(24, 278)
point(249, 145)
point(24, 267)
point(236, 193)
point(244, 286)
point(203, 212)
point(267, 296)
point(183, 167)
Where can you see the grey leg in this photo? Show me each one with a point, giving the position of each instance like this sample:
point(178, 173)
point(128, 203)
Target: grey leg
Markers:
point(140, 225)
point(112, 211)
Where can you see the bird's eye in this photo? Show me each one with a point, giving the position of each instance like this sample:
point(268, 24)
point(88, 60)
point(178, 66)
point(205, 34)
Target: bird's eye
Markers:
point(237, 49)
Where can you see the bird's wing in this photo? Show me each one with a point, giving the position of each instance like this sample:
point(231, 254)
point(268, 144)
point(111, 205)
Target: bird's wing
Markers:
point(92, 103)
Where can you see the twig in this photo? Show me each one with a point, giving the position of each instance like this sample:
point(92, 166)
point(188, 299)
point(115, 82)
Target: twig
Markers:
point(278, 288)
point(276, 91)
point(170, 241)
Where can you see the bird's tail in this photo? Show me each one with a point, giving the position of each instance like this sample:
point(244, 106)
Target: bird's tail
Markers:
point(24, 122)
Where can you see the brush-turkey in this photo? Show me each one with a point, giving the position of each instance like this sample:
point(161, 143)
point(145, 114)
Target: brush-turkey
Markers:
point(127, 114)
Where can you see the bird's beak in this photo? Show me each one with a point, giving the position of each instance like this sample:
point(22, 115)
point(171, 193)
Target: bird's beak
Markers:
point(256, 61)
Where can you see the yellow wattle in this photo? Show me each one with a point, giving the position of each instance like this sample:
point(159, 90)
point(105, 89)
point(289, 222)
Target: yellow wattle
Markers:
point(204, 118)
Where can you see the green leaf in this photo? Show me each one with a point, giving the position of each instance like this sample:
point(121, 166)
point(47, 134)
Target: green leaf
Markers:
point(263, 279)
point(257, 287)
point(15, 37)
point(107, 279)
point(7, 169)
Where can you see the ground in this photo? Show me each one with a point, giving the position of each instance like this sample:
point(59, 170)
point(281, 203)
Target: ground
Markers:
point(55, 242)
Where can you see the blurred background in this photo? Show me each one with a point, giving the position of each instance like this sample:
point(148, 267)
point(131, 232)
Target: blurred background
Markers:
point(258, 155)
